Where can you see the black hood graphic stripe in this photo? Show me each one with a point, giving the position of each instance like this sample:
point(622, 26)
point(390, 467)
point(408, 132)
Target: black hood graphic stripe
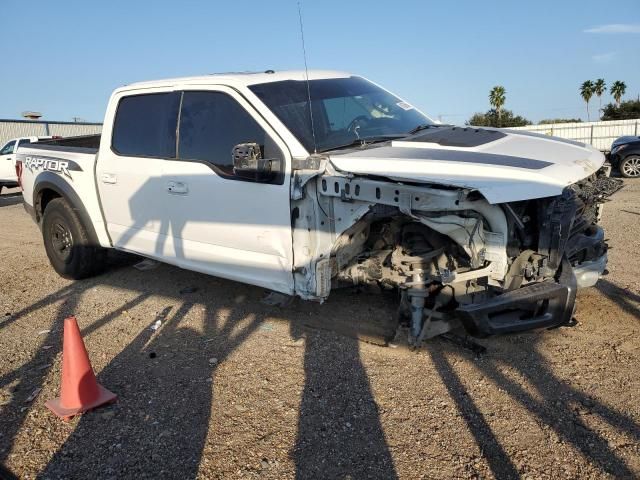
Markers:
point(389, 153)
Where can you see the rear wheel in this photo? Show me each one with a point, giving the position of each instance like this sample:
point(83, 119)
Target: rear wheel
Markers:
point(67, 242)
point(630, 166)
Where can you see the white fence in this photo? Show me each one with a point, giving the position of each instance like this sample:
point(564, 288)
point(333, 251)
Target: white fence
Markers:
point(598, 134)
point(26, 128)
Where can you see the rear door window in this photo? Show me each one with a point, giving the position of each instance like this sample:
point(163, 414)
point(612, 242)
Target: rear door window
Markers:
point(145, 125)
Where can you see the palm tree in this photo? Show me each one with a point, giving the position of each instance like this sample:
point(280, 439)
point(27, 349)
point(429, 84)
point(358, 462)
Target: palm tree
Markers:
point(496, 99)
point(618, 89)
point(586, 91)
point(599, 87)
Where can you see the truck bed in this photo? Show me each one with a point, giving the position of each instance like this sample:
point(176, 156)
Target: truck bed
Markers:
point(65, 167)
point(83, 141)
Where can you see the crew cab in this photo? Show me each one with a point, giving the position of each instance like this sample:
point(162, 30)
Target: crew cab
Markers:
point(8, 177)
point(303, 184)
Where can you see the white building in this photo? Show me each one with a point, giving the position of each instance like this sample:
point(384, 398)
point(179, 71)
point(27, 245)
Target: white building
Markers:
point(39, 128)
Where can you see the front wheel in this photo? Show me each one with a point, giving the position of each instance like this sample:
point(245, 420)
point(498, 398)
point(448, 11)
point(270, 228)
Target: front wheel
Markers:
point(630, 166)
point(67, 242)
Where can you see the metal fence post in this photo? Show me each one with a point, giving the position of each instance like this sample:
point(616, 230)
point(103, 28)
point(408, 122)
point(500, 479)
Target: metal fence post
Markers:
point(636, 130)
point(591, 140)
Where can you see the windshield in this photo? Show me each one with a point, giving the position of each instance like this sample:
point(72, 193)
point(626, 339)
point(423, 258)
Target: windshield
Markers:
point(344, 110)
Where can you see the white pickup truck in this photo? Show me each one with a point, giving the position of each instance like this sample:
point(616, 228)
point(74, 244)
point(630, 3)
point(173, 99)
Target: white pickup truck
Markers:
point(8, 174)
point(302, 185)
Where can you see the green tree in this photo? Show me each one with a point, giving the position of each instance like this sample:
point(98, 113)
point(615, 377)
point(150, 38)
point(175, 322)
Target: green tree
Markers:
point(547, 121)
point(490, 119)
point(618, 90)
point(599, 87)
point(586, 92)
point(497, 97)
point(627, 110)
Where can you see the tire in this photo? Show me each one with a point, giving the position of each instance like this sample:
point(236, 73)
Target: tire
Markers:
point(630, 166)
point(67, 242)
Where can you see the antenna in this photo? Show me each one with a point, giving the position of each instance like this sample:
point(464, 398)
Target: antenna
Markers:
point(306, 72)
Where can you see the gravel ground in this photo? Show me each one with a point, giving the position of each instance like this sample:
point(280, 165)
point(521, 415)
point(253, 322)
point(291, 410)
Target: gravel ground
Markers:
point(231, 388)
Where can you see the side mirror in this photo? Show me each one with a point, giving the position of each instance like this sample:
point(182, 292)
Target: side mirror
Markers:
point(248, 163)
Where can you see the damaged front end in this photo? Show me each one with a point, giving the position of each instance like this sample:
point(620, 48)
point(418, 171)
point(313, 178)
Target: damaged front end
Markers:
point(454, 258)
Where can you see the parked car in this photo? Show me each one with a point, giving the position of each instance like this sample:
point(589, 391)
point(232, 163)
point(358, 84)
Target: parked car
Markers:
point(8, 177)
point(625, 156)
point(305, 185)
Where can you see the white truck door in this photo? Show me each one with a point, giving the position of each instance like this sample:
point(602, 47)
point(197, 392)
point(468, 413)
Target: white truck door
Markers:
point(7, 162)
point(222, 223)
point(138, 140)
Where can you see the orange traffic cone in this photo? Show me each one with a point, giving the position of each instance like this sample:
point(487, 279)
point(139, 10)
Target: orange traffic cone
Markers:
point(80, 391)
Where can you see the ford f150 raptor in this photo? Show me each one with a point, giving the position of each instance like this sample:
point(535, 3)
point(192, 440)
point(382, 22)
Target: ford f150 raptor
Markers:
point(302, 184)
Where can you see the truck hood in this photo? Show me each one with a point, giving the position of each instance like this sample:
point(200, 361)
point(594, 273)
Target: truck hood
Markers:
point(503, 165)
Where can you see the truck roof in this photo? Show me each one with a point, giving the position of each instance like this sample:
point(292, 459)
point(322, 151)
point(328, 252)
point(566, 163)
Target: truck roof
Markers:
point(238, 79)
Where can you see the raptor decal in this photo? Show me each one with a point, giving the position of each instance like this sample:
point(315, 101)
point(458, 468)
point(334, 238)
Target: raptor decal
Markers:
point(65, 167)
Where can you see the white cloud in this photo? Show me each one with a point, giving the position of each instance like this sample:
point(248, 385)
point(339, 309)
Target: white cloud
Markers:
point(603, 57)
point(615, 28)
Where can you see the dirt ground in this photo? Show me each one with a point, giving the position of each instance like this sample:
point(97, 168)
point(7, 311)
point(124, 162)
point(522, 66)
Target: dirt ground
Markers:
point(228, 387)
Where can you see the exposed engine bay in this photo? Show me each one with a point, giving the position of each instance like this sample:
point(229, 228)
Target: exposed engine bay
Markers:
point(454, 259)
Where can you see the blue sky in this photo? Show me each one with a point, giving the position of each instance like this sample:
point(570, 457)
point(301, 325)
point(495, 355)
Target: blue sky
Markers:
point(64, 58)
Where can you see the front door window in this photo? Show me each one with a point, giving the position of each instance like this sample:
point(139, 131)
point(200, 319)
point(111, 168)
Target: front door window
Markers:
point(8, 148)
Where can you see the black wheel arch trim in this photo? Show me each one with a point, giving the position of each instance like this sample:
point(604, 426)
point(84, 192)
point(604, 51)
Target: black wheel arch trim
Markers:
point(52, 181)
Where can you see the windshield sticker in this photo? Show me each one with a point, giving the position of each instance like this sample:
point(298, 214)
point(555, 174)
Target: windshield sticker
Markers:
point(405, 106)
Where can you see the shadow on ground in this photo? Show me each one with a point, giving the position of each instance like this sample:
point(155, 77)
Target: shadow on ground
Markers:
point(340, 434)
point(553, 404)
point(624, 298)
point(156, 412)
point(339, 429)
point(160, 424)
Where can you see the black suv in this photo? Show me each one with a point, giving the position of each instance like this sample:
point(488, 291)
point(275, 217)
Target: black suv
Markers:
point(625, 155)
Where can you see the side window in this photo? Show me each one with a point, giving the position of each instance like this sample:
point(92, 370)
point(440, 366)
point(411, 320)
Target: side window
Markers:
point(145, 125)
point(212, 123)
point(23, 142)
point(8, 148)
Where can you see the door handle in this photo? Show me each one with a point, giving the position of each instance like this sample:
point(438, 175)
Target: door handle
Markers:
point(109, 178)
point(177, 188)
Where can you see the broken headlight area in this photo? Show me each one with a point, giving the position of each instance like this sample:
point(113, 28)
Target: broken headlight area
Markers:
point(569, 222)
point(447, 268)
